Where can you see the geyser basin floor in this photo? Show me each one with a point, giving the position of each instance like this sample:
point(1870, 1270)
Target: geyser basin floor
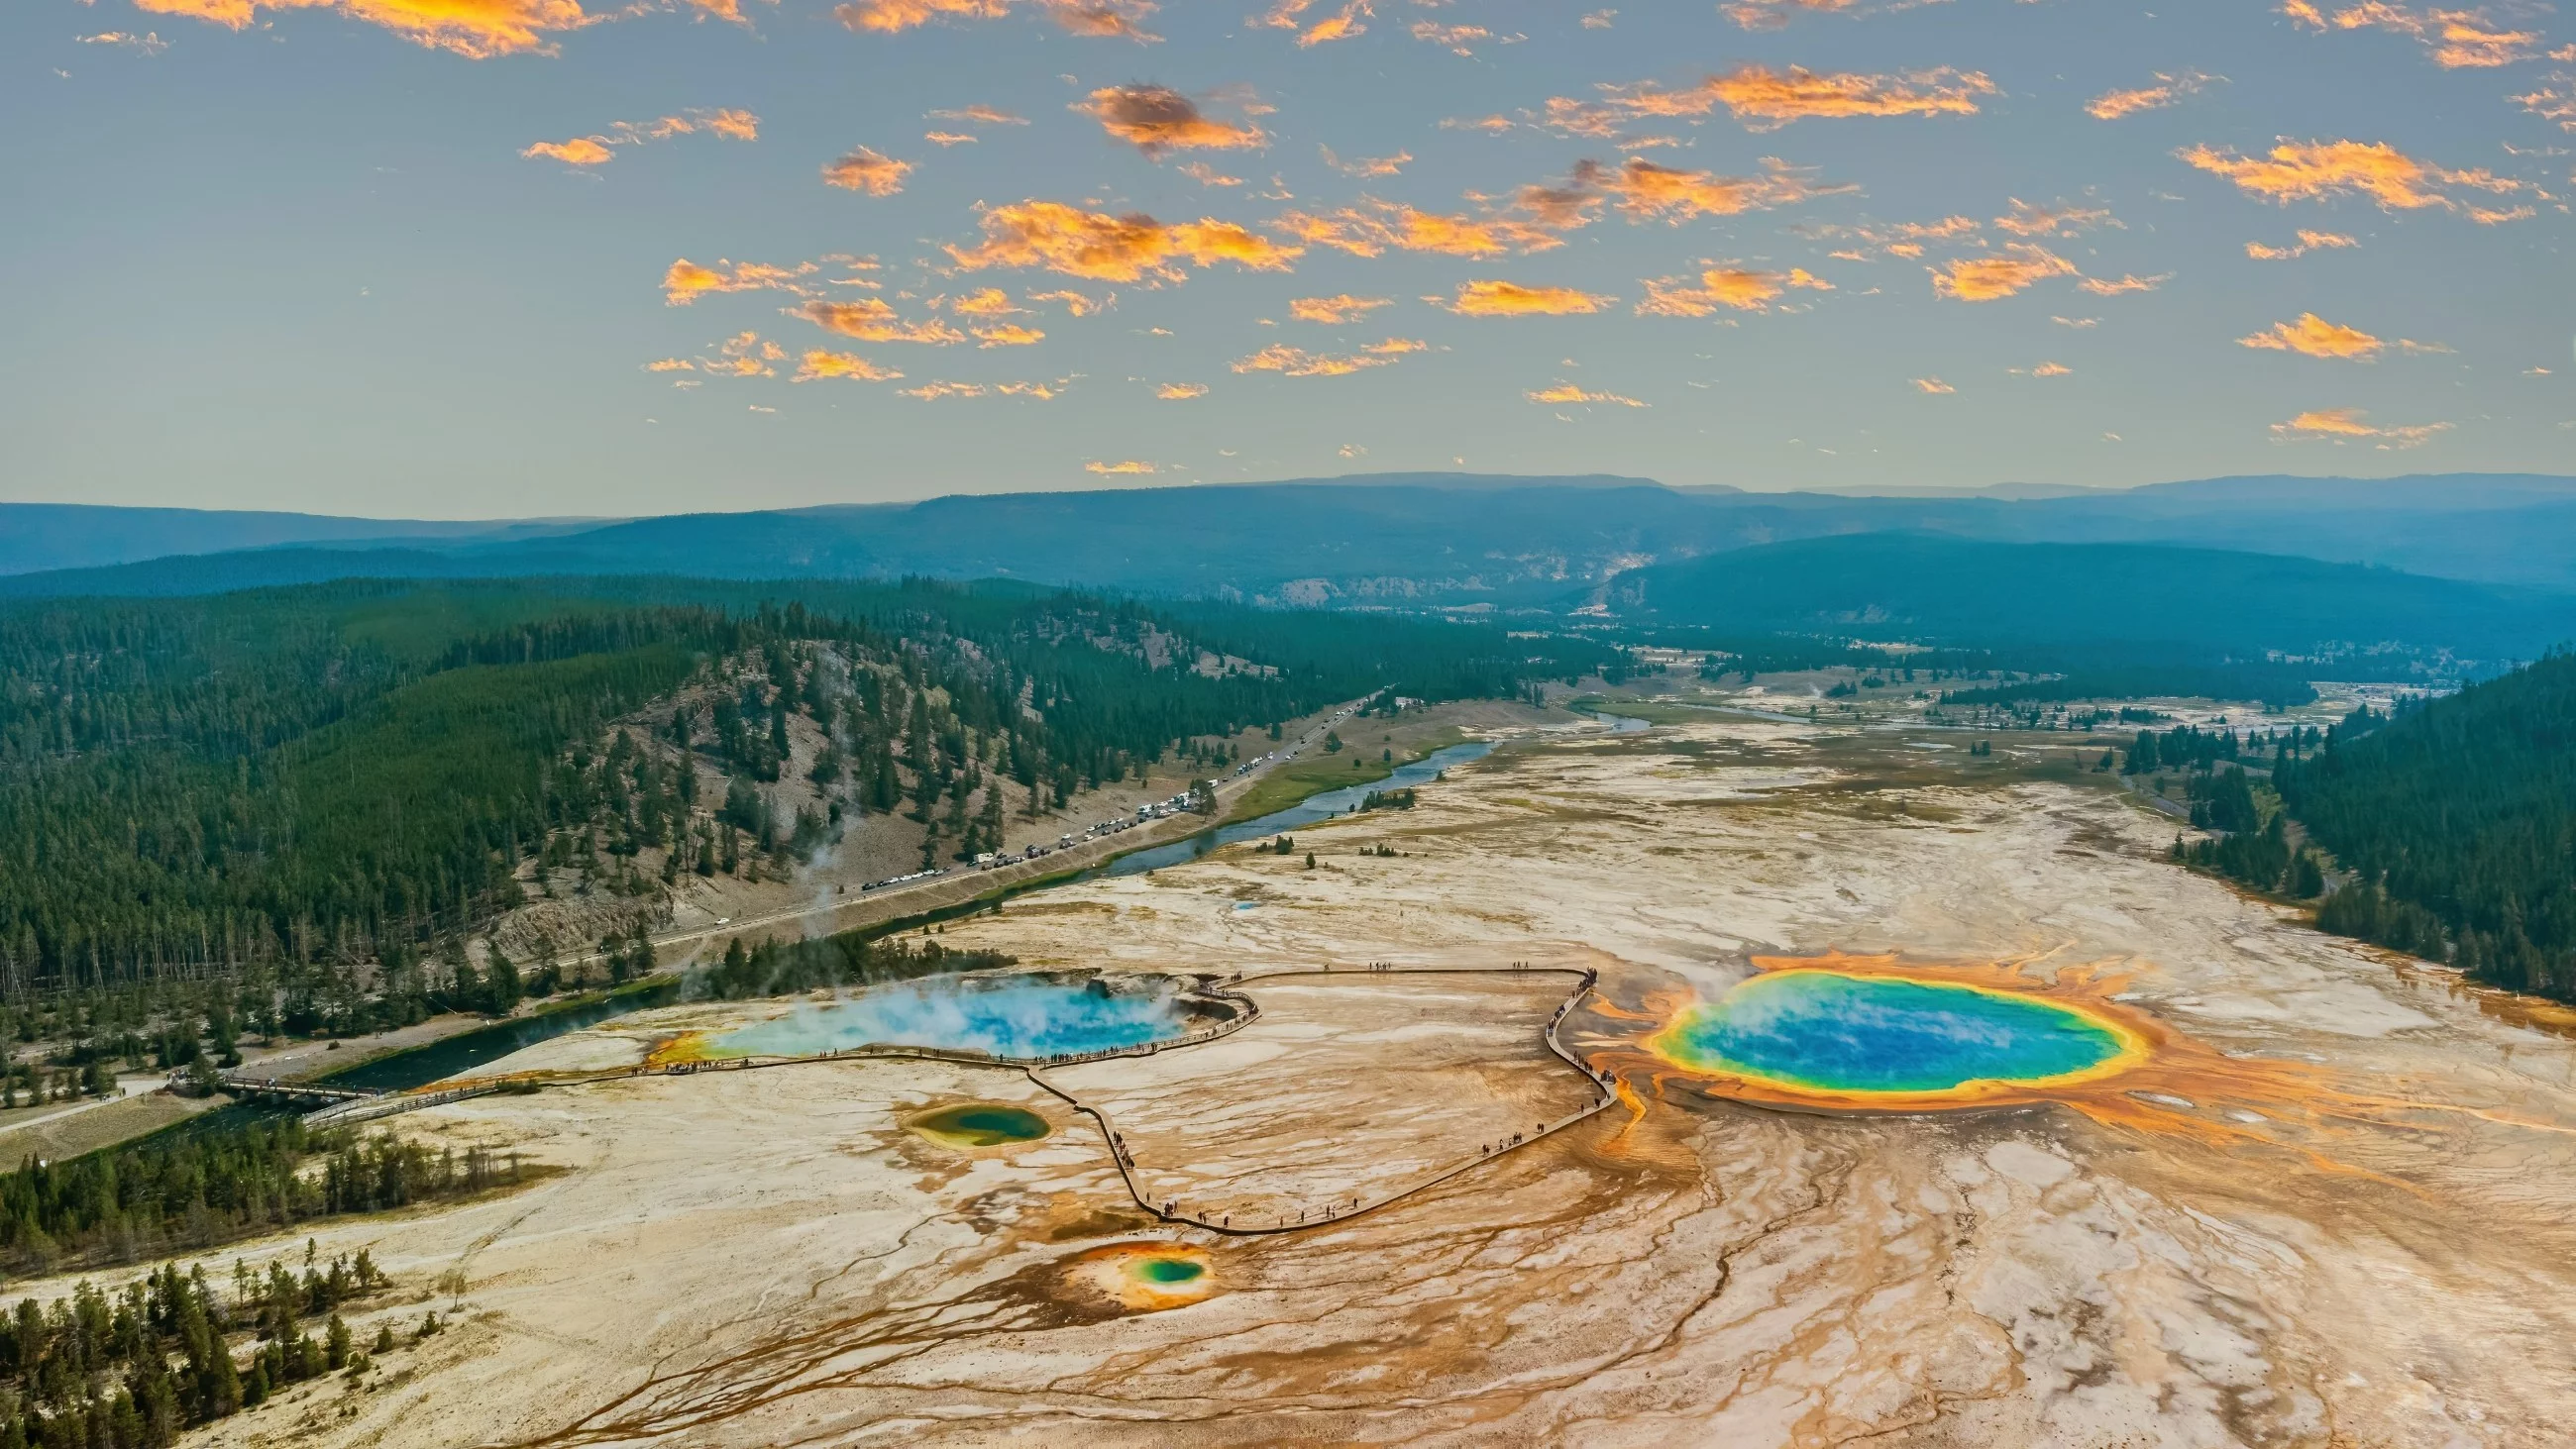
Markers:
point(1893, 1039)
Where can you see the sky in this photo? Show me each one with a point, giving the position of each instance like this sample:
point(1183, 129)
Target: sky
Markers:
point(475, 258)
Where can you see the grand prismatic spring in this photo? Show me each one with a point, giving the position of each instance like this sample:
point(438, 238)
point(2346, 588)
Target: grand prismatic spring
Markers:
point(1859, 1039)
point(2241, 1184)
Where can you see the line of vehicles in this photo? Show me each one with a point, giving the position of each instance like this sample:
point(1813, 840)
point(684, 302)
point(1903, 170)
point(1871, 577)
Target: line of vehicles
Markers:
point(1145, 814)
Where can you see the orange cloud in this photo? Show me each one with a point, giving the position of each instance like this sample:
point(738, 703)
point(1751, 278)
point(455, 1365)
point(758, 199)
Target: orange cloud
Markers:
point(1762, 99)
point(2339, 424)
point(1108, 248)
point(2456, 39)
point(1743, 289)
point(1645, 190)
point(1181, 391)
point(2553, 102)
point(1566, 392)
point(1206, 175)
point(579, 151)
point(2315, 170)
point(2105, 287)
point(1987, 278)
point(818, 365)
point(686, 281)
point(475, 29)
point(1113, 469)
point(2314, 336)
point(1774, 14)
point(671, 364)
point(1008, 334)
point(989, 302)
point(1075, 302)
point(1396, 347)
point(1374, 227)
point(2168, 89)
point(1335, 310)
point(1298, 362)
point(871, 320)
point(1368, 167)
point(2308, 241)
point(2049, 369)
point(1456, 39)
point(744, 354)
point(1510, 299)
point(1158, 119)
point(888, 17)
point(980, 114)
point(1932, 385)
point(149, 42)
point(2058, 220)
point(865, 170)
point(949, 138)
point(1342, 24)
point(733, 125)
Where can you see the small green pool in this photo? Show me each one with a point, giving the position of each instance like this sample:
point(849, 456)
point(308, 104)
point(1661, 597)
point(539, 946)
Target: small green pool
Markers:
point(1164, 1272)
point(980, 1124)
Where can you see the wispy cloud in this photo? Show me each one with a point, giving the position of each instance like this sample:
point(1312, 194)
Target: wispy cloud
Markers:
point(1181, 391)
point(1335, 310)
point(1737, 288)
point(1932, 385)
point(148, 43)
point(2316, 170)
point(1374, 227)
point(1298, 362)
point(2309, 241)
point(2018, 267)
point(1763, 99)
point(819, 364)
point(475, 29)
point(2456, 39)
point(1510, 299)
point(1129, 248)
point(1110, 19)
point(2168, 90)
point(2123, 285)
point(2353, 425)
point(869, 171)
point(2314, 336)
point(593, 150)
point(1122, 468)
point(686, 281)
point(1566, 393)
point(872, 320)
point(1158, 119)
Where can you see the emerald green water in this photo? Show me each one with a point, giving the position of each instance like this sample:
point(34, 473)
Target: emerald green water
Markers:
point(982, 1124)
point(1827, 1032)
point(1168, 1270)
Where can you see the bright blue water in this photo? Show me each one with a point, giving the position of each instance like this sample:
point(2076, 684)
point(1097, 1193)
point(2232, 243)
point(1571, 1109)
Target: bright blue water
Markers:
point(1837, 1033)
point(1005, 1016)
point(1305, 812)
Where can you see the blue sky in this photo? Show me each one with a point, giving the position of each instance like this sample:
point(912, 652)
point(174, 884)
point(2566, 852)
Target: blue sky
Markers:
point(303, 258)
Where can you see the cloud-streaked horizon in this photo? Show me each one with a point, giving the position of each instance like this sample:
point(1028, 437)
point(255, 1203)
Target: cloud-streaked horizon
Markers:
point(1850, 240)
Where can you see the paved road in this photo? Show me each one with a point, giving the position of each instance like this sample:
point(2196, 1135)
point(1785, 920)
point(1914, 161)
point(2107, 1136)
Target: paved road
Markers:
point(944, 889)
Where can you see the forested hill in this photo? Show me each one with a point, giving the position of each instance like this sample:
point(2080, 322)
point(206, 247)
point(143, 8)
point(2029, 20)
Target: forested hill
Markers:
point(2098, 595)
point(326, 776)
point(2459, 817)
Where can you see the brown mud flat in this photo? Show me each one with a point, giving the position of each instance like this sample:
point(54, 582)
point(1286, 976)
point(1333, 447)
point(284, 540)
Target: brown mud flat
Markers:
point(2340, 1210)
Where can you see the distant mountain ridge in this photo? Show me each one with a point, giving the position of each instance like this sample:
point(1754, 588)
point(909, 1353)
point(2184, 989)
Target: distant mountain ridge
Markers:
point(2117, 598)
point(1418, 539)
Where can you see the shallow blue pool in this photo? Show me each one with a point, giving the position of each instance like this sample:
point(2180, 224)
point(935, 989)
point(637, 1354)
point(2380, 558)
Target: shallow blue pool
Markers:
point(1005, 1016)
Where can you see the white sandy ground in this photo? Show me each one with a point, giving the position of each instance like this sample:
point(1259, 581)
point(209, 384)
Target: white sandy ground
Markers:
point(768, 1258)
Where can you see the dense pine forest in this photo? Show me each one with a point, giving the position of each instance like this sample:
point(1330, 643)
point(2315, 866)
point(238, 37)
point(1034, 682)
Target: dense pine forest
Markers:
point(2457, 819)
point(292, 784)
